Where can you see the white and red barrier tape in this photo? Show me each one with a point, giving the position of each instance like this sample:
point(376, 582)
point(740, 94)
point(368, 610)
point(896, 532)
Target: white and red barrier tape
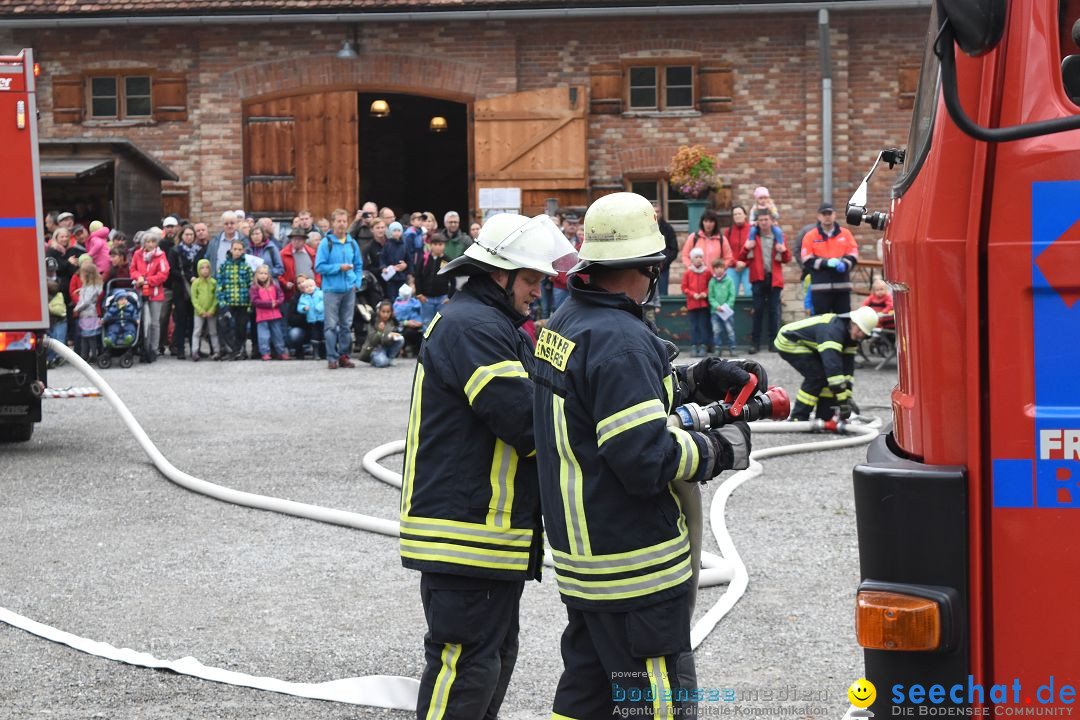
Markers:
point(70, 392)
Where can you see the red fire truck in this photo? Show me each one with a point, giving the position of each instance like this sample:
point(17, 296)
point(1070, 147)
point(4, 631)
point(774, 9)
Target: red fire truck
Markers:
point(24, 316)
point(968, 511)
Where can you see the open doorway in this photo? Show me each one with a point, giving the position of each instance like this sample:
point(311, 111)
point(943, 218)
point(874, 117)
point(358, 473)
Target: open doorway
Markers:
point(405, 165)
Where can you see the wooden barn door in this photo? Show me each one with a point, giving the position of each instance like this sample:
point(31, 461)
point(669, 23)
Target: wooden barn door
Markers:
point(535, 141)
point(301, 153)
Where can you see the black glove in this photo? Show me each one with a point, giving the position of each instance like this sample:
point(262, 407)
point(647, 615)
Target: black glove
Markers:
point(753, 366)
point(712, 378)
point(730, 448)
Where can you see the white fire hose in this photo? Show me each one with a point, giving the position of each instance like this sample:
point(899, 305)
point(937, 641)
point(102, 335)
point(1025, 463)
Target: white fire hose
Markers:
point(394, 691)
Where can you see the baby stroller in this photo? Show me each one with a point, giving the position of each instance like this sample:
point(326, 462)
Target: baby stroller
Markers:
point(120, 328)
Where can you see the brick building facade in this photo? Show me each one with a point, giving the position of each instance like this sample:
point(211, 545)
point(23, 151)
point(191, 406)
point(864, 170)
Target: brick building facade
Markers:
point(767, 131)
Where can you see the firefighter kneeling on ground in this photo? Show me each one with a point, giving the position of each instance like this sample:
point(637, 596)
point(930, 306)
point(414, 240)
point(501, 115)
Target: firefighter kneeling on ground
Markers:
point(609, 464)
point(470, 505)
point(823, 348)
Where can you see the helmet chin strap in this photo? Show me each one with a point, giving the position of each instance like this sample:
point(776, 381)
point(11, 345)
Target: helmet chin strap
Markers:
point(653, 273)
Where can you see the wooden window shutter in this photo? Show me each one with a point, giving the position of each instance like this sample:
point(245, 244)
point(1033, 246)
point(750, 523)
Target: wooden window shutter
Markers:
point(69, 98)
point(606, 89)
point(169, 92)
point(717, 86)
point(909, 83)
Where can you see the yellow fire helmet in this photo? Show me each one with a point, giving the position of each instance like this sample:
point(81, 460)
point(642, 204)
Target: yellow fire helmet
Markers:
point(621, 232)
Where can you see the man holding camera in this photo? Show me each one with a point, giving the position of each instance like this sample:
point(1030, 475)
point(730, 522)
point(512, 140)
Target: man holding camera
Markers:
point(360, 230)
point(609, 466)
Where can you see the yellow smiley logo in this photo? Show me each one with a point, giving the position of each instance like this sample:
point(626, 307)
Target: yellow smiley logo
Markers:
point(862, 693)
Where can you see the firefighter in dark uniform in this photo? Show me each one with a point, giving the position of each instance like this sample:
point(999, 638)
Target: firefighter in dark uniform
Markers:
point(470, 506)
point(823, 348)
point(608, 464)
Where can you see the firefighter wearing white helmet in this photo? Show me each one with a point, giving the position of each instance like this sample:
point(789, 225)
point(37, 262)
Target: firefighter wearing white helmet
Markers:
point(823, 348)
point(470, 506)
point(610, 469)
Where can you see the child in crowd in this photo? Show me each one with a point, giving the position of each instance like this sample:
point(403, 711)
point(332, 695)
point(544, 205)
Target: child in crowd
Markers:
point(763, 204)
point(408, 314)
point(234, 298)
point(310, 306)
point(57, 309)
point(881, 300)
point(722, 305)
point(383, 342)
point(120, 328)
point(324, 226)
point(204, 304)
point(267, 297)
point(432, 289)
point(695, 286)
point(150, 271)
point(87, 300)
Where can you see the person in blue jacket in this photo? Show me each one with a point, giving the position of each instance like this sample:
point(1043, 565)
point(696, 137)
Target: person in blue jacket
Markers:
point(338, 261)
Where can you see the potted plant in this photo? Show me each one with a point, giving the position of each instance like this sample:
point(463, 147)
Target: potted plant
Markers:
point(693, 173)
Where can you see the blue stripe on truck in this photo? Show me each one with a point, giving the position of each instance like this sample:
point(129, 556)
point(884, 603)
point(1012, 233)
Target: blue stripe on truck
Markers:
point(18, 222)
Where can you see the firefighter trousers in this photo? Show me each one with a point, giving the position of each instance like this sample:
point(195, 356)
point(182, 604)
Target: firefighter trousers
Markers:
point(813, 384)
point(470, 647)
point(814, 391)
point(630, 664)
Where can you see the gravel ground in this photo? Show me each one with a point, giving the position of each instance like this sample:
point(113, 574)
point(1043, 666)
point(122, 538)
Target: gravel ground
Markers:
point(97, 543)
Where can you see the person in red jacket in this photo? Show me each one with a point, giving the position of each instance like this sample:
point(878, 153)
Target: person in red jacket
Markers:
point(765, 254)
point(299, 259)
point(150, 272)
point(737, 236)
point(695, 286)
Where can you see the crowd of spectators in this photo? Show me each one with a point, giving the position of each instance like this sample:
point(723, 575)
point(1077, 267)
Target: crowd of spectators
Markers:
point(363, 284)
point(367, 284)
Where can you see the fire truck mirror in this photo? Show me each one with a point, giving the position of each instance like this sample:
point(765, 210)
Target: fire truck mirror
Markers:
point(978, 24)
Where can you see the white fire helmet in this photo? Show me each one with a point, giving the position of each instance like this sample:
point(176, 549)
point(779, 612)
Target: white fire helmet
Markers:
point(508, 241)
point(865, 317)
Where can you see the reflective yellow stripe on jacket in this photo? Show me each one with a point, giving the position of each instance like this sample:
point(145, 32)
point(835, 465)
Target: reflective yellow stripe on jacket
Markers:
point(570, 483)
point(629, 419)
point(486, 373)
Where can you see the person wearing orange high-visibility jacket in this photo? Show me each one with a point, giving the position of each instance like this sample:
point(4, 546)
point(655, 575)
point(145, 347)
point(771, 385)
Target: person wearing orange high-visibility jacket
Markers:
point(612, 473)
point(470, 507)
point(829, 254)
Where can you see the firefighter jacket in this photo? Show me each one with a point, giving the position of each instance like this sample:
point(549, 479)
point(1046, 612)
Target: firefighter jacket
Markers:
point(469, 499)
point(818, 247)
point(606, 456)
point(829, 336)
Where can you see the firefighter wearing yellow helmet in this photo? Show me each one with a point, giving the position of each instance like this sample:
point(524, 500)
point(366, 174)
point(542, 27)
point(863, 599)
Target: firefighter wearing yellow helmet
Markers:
point(609, 466)
point(823, 348)
point(470, 506)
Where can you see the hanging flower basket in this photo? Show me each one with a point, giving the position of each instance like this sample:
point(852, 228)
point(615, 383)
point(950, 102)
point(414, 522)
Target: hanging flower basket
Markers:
point(693, 172)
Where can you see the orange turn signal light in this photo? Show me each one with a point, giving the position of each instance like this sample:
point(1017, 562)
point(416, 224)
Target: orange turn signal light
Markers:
point(895, 621)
